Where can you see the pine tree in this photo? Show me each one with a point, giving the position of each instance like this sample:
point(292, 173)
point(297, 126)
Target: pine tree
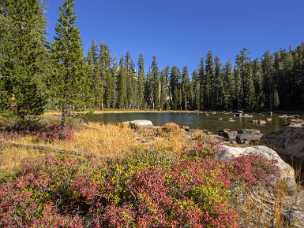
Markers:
point(131, 81)
point(228, 87)
point(268, 71)
point(247, 87)
point(164, 89)
point(23, 63)
point(195, 90)
point(149, 90)
point(156, 83)
point(106, 76)
point(93, 77)
point(298, 78)
point(208, 85)
point(174, 87)
point(92, 57)
point(141, 82)
point(258, 85)
point(5, 37)
point(204, 87)
point(115, 74)
point(236, 89)
point(218, 89)
point(185, 89)
point(276, 98)
point(122, 100)
point(69, 78)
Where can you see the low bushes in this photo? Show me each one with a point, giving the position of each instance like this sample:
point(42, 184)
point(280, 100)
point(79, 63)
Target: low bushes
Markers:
point(146, 189)
point(47, 133)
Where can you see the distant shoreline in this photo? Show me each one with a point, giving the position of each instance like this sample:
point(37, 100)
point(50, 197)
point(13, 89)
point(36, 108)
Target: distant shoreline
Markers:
point(114, 111)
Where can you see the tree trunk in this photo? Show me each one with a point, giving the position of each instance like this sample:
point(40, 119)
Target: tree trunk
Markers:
point(63, 116)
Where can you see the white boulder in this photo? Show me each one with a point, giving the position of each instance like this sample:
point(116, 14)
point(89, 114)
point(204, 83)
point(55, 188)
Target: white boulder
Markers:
point(286, 172)
point(140, 123)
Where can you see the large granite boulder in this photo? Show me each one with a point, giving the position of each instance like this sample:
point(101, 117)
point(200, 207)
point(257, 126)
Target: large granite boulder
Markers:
point(288, 141)
point(286, 172)
point(135, 124)
point(261, 207)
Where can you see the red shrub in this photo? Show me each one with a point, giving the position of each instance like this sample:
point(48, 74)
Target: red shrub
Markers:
point(55, 132)
point(86, 187)
point(50, 218)
point(118, 216)
point(46, 133)
point(254, 169)
point(69, 192)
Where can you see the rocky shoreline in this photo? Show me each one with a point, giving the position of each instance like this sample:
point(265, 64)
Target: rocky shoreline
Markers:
point(275, 146)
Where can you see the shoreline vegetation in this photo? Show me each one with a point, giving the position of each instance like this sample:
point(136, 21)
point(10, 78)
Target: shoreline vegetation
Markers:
point(123, 176)
point(280, 112)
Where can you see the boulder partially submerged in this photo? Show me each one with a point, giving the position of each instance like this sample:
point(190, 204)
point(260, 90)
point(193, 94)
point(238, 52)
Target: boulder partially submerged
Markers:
point(288, 141)
point(229, 135)
point(286, 172)
point(140, 124)
point(248, 136)
point(243, 136)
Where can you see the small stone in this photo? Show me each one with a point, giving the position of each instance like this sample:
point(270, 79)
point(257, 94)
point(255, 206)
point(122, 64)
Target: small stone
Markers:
point(186, 128)
point(262, 122)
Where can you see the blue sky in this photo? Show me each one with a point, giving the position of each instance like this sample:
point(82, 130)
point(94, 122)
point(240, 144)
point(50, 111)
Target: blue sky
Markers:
point(180, 32)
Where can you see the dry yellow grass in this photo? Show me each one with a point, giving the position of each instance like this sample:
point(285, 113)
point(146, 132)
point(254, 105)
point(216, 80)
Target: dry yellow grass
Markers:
point(102, 140)
point(11, 158)
point(96, 139)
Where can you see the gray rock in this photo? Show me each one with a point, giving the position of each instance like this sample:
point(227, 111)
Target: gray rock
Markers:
point(288, 141)
point(247, 116)
point(247, 136)
point(228, 135)
point(135, 124)
point(264, 206)
point(296, 123)
point(255, 121)
point(249, 131)
point(259, 122)
point(238, 114)
point(284, 116)
point(262, 122)
point(186, 128)
point(286, 172)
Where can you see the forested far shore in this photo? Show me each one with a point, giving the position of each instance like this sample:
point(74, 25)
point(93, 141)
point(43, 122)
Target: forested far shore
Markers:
point(37, 75)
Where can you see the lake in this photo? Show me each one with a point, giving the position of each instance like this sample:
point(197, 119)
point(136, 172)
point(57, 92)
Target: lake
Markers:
point(209, 121)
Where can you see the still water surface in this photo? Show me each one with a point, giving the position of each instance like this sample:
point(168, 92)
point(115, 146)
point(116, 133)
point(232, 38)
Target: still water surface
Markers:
point(208, 121)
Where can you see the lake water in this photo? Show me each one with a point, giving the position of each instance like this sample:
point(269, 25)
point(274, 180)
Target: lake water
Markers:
point(212, 122)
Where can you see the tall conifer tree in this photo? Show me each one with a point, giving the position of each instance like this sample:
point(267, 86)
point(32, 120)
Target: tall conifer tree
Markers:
point(185, 89)
point(23, 56)
point(141, 82)
point(69, 78)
